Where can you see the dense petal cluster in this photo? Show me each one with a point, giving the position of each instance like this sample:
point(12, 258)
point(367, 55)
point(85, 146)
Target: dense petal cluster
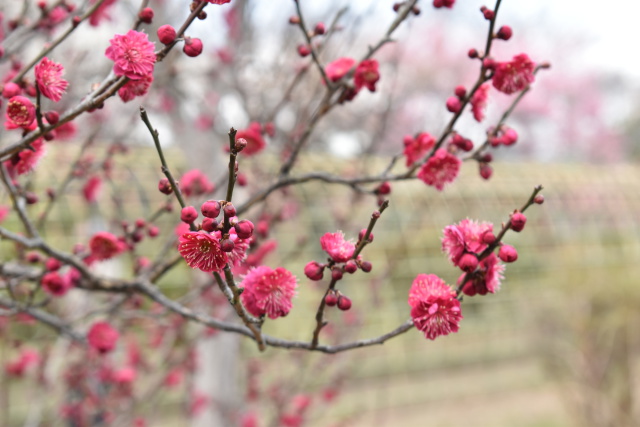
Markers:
point(515, 75)
point(26, 160)
point(440, 169)
point(418, 147)
point(133, 55)
point(367, 75)
point(49, 79)
point(20, 112)
point(202, 250)
point(434, 308)
point(339, 250)
point(195, 183)
point(464, 237)
point(101, 13)
point(479, 102)
point(268, 292)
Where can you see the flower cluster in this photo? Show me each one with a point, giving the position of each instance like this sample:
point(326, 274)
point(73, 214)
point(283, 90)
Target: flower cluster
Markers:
point(268, 292)
point(434, 308)
point(440, 169)
point(133, 55)
point(366, 73)
point(515, 75)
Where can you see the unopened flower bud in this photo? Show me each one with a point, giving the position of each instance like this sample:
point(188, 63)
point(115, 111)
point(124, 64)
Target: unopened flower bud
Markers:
point(509, 137)
point(488, 238)
point(473, 53)
point(460, 92)
point(518, 220)
point(229, 210)
point(319, 29)
point(10, 90)
point(362, 233)
point(166, 34)
point(344, 303)
point(539, 199)
point(240, 144)
point(314, 271)
point(331, 299)
point(192, 46)
point(384, 188)
point(209, 225)
point(485, 170)
point(52, 117)
point(336, 273)
point(146, 15)
point(453, 104)
point(244, 229)
point(188, 214)
point(304, 50)
point(227, 245)
point(508, 253)
point(210, 209)
point(489, 14)
point(241, 179)
point(468, 263)
point(52, 264)
point(366, 266)
point(505, 32)
point(31, 198)
point(294, 20)
point(164, 186)
point(153, 231)
point(351, 266)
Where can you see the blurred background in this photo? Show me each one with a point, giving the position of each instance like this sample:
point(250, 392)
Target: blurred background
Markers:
point(557, 346)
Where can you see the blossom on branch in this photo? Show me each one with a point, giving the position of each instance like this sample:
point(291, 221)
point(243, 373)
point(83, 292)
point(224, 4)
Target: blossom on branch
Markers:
point(514, 76)
point(268, 292)
point(339, 68)
point(20, 113)
point(104, 245)
point(339, 250)
point(49, 79)
point(465, 237)
point(133, 55)
point(479, 102)
point(202, 250)
point(434, 308)
point(367, 75)
point(416, 148)
point(195, 183)
point(486, 279)
point(102, 337)
point(26, 160)
point(441, 168)
point(253, 136)
point(135, 88)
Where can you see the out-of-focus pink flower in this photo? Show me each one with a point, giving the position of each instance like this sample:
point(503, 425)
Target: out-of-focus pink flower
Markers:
point(133, 55)
point(91, 189)
point(101, 13)
point(434, 308)
point(26, 160)
point(4, 212)
point(479, 102)
point(440, 169)
point(104, 245)
point(464, 237)
point(55, 284)
point(102, 337)
point(135, 88)
point(268, 291)
point(199, 402)
point(195, 183)
point(418, 147)
point(339, 250)
point(202, 250)
point(27, 359)
point(49, 79)
point(367, 75)
point(337, 69)
point(515, 75)
point(126, 375)
point(218, 1)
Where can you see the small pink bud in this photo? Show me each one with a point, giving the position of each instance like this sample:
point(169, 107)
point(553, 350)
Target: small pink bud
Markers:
point(319, 29)
point(518, 220)
point(468, 263)
point(192, 46)
point(488, 238)
point(505, 32)
point(366, 266)
point(304, 50)
point(140, 222)
point(294, 20)
point(488, 14)
point(473, 53)
point(438, 3)
point(10, 90)
point(52, 264)
point(314, 270)
point(229, 210)
point(508, 253)
point(241, 179)
point(52, 117)
point(146, 15)
point(384, 188)
point(31, 198)
point(188, 214)
point(486, 170)
point(166, 34)
point(486, 158)
point(453, 104)
point(510, 137)
point(33, 257)
point(460, 92)
point(240, 144)
point(362, 233)
point(344, 303)
point(539, 199)
point(351, 266)
point(227, 245)
point(209, 225)
point(488, 63)
point(331, 299)
point(164, 186)
point(153, 231)
point(244, 229)
point(336, 273)
point(210, 209)
point(137, 236)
